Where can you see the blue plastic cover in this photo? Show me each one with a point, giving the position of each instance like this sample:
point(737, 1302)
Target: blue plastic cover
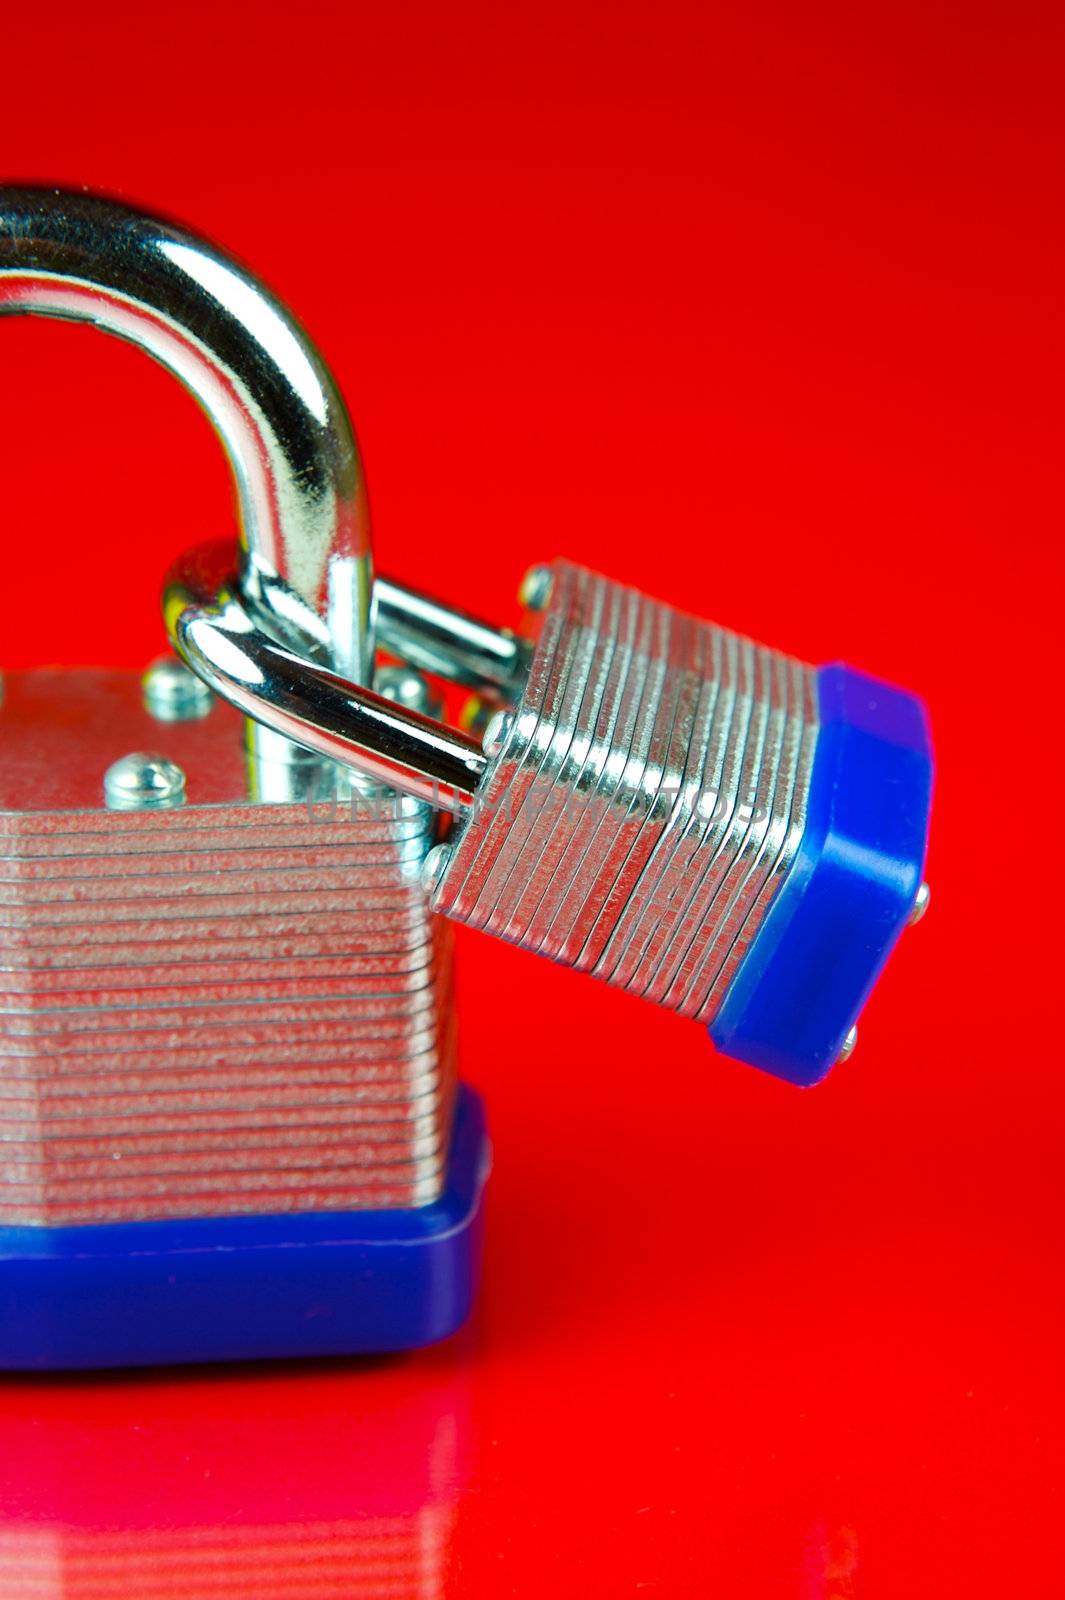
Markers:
point(850, 890)
point(232, 1288)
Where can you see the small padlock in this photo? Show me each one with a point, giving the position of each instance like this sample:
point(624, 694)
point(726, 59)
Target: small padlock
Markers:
point(665, 804)
point(230, 1124)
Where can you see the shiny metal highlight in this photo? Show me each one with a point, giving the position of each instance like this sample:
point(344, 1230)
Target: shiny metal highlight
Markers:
point(920, 904)
point(378, 738)
point(229, 1006)
point(143, 782)
point(173, 693)
point(305, 523)
point(645, 801)
point(450, 643)
point(633, 815)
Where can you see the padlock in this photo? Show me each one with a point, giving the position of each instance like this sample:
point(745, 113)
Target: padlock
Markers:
point(696, 818)
point(230, 1124)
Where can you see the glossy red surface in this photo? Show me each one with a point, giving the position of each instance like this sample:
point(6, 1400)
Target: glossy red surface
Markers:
point(759, 308)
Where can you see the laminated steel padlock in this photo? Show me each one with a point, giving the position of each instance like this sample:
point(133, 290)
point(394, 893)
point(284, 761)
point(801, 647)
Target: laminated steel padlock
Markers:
point(230, 1124)
point(663, 803)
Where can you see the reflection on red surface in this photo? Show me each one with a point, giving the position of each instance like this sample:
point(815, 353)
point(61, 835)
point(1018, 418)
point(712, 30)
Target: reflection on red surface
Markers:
point(397, 1557)
point(757, 306)
point(829, 1567)
point(300, 1484)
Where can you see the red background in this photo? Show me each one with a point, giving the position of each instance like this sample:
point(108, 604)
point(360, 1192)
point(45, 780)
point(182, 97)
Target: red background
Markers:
point(760, 309)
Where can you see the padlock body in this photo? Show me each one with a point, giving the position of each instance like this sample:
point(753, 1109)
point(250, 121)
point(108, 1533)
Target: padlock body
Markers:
point(652, 798)
point(231, 1018)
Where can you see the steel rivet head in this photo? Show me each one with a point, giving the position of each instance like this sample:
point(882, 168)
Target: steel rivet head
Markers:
point(847, 1048)
point(535, 589)
point(920, 904)
point(403, 685)
point(434, 866)
point(173, 693)
point(144, 782)
point(496, 732)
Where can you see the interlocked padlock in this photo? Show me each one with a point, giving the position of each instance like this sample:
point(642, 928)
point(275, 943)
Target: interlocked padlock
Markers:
point(704, 821)
point(230, 1124)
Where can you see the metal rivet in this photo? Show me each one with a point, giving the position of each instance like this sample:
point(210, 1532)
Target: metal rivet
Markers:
point(434, 866)
point(496, 732)
point(847, 1048)
point(172, 693)
point(535, 589)
point(143, 782)
point(920, 904)
point(403, 685)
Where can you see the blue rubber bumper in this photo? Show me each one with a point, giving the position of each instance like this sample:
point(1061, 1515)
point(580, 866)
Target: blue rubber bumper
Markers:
point(238, 1288)
point(850, 890)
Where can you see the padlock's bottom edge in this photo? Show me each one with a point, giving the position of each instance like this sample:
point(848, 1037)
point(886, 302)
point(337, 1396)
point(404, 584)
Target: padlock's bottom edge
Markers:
point(249, 1287)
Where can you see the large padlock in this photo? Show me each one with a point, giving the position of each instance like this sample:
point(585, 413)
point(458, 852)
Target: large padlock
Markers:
point(230, 1124)
point(660, 802)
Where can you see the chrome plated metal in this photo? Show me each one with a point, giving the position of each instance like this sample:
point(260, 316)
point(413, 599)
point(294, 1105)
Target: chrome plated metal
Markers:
point(304, 516)
point(646, 799)
point(434, 866)
point(405, 687)
point(306, 576)
point(535, 589)
point(173, 693)
point(920, 904)
point(242, 1004)
point(142, 782)
point(496, 732)
point(449, 643)
point(634, 813)
point(378, 738)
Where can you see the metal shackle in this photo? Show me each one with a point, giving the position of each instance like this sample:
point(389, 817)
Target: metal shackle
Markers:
point(305, 580)
point(308, 704)
point(304, 519)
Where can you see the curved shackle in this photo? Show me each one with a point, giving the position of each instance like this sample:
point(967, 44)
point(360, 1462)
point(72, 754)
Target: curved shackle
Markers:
point(306, 703)
point(305, 585)
point(305, 526)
